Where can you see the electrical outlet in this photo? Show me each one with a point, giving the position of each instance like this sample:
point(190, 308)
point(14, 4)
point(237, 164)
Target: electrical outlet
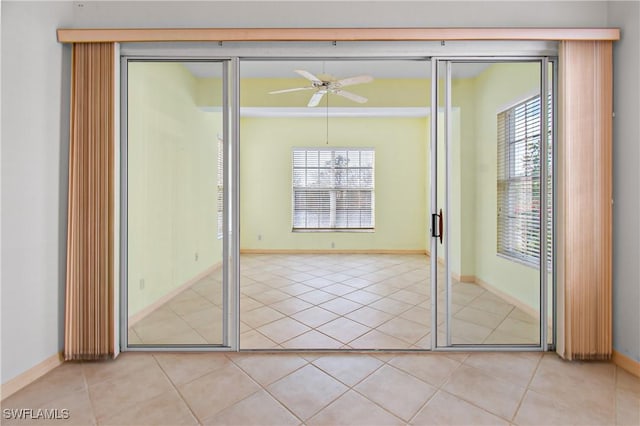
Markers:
point(333, 245)
point(259, 237)
point(196, 256)
point(141, 283)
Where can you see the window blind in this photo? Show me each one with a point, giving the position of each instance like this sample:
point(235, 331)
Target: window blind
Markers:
point(333, 188)
point(518, 184)
point(220, 187)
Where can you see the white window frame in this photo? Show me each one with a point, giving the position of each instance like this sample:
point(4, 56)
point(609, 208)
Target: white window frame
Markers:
point(506, 180)
point(334, 189)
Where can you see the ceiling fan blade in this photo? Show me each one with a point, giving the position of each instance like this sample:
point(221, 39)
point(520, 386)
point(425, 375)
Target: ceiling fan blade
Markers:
point(309, 76)
point(354, 80)
point(315, 99)
point(297, 89)
point(351, 96)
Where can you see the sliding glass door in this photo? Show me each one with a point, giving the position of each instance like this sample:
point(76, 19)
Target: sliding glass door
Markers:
point(463, 186)
point(175, 203)
point(491, 203)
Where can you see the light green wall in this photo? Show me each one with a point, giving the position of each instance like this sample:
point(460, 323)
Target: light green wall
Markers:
point(400, 181)
point(464, 165)
point(499, 86)
point(473, 161)
point(208, 93)
point(171, 182)
point(452, 229)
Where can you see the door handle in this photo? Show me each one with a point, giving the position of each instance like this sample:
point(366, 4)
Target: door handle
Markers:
point(440, 225)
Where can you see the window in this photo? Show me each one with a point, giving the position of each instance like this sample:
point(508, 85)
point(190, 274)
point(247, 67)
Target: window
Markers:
point(333, 189)
point(519, 163)
point(220, 189)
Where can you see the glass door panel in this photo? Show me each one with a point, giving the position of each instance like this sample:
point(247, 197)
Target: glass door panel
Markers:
point(334, 194)
point(175, 237)
point(490, 155)
point(439, 223)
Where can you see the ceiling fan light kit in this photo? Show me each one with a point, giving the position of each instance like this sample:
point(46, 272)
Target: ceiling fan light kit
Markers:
point(328, 85)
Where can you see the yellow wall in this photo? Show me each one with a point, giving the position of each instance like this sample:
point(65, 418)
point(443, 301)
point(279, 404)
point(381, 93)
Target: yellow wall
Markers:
point(254, 92)
point(171, 182)
point(400, 181)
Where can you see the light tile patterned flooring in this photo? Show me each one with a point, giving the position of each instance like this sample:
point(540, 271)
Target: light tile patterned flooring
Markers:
point(335, 301)
point(334, 389)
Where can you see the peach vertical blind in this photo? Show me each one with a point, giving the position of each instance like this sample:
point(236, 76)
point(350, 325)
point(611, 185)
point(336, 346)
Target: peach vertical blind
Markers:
point(89, 321)
point(585, 188)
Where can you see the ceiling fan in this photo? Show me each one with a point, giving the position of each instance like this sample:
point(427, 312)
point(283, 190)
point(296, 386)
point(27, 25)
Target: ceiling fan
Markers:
point(328, 84)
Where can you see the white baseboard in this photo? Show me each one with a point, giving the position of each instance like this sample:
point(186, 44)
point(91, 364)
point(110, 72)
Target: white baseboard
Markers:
point(508, 298)
point(138, 316)
point(31, 375)
point(464, 278)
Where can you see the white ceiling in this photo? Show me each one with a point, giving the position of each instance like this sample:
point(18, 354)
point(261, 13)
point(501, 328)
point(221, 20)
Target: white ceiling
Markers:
point(337, 68)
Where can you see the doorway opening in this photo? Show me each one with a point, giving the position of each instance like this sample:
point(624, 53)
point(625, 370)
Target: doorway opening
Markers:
point(279, 203)
point(334, 194)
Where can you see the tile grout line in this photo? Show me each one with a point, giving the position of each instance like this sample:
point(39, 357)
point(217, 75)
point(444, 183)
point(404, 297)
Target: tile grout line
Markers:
point(86, 384)
point(478, 407)
point(175, 387)
point(359, 381)
point(471, 402)
point(348, 388)
point(526, 389)
point(326, 405)
point(439, 388)
point(319, 331)
point(424, 405)
point(352, 388)
point(376, 404)
point(265, 388)
point(406, 422)
point(502, 322)
point(344, 316)
point(257, 331)
point(287, 407)
point(126, 404)
point(400, 280)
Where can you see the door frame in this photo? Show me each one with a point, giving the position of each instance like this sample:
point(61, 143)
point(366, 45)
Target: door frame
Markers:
point(233, 56)
point(230, 202)
point(545, 88)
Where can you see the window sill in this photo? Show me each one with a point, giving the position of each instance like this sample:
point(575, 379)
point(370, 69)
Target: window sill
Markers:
point(336, 230)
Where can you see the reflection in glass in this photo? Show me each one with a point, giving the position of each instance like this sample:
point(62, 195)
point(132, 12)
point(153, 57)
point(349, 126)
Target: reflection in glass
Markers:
point(493, 168)
point(174, 201)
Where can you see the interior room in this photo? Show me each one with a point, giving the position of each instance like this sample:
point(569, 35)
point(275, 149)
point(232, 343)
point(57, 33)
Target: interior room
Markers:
point(138, 287)
point(323, 268)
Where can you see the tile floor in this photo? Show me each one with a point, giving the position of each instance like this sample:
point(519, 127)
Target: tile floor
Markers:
point(334, 389)
point(334, 301)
